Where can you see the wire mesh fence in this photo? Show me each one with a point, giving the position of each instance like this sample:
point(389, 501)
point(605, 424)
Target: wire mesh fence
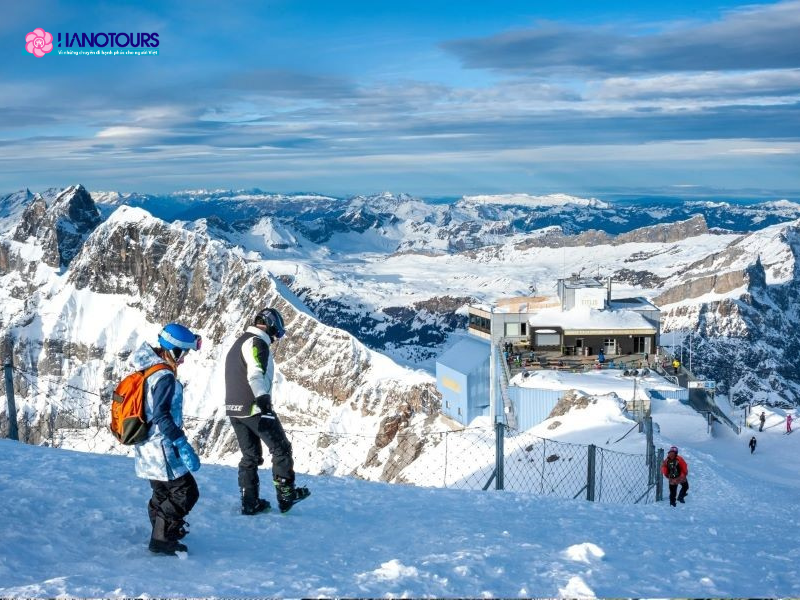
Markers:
point(412, 455)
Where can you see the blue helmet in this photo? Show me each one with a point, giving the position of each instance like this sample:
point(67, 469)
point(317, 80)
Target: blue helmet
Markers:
point(178, 339)
point(274, 322)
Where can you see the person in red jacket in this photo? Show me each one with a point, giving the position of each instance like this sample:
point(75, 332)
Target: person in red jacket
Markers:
point(676, 470)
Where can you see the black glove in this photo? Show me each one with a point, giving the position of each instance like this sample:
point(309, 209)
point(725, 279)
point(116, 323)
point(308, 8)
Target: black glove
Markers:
point(264, 402)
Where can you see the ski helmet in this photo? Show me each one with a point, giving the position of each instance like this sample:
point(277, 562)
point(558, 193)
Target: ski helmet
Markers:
point(178, 340)
point(673, 449)
point(273, 320)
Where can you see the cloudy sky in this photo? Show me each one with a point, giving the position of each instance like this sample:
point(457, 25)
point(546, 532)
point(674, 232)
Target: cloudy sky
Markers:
point(426, 97)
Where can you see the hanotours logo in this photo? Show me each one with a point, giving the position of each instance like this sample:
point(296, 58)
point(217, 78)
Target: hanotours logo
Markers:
point(108, 40)
point(38, 42)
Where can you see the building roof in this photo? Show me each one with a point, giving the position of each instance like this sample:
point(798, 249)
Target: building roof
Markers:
point(525, 304)
point(637, 303)
point(583, 282)
point(466, 355)
point(519, 304)
point(591, 319)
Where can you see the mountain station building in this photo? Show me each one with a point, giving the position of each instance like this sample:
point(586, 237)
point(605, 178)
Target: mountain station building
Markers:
point(583, 320)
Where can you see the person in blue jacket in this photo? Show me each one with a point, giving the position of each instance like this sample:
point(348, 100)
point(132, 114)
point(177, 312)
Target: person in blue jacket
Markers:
point(166, 458)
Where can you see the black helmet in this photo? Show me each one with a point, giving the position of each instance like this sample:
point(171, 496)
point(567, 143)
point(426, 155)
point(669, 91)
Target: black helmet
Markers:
point(273, 320)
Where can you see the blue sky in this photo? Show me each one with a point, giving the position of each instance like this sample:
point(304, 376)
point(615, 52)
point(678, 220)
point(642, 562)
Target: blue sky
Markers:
point(431, 98)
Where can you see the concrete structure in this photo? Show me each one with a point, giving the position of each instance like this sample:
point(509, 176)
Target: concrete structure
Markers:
point(508, 319)
point(582, 319)
point(462, 377)
point(587, 332)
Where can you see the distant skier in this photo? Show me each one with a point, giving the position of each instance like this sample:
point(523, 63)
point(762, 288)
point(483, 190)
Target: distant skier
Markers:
point(762, 419)
point(676, 365)
point(249, 368)
point(675, 469)
point(166, 457)
point(752, 444)
point(788, 423)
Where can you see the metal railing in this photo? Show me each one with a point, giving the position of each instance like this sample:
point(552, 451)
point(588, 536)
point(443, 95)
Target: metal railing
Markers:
point(470, 458)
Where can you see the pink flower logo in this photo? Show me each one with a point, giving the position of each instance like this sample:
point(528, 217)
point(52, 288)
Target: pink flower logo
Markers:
point(38, 42)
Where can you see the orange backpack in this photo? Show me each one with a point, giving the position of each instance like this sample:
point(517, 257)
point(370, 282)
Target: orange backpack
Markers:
point(128, 423)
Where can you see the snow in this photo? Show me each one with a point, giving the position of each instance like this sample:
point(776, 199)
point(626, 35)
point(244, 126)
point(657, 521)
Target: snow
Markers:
point(528, 200)
point(76, 525)
point(593, 383)
point(583, 318)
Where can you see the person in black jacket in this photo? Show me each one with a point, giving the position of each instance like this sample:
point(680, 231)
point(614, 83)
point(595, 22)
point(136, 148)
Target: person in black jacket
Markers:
point(249, 368)
point(752, 444)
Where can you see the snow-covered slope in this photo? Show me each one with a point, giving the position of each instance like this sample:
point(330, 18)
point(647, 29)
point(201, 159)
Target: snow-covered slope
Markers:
point(75, 518)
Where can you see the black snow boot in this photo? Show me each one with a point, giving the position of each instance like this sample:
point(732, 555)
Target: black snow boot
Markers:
point(159, 544)
point(251, 503)
point(177, 530)
point(288, 494)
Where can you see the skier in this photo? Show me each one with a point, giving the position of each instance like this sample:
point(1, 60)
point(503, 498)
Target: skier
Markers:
point(166, 457)
point(249, 368)
point(676, 365)
point(761, 420)
point(788, 423)
point(752, 444)
point(676, 470)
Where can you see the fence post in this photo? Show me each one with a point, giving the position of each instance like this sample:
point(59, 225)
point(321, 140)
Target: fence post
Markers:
point(12, 408)
point(590, 473)
point(499, 433)
point(659, 478)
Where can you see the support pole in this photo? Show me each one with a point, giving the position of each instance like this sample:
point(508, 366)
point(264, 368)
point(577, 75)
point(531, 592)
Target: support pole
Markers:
point(12, 408)
point(590, 471)
point(659, 477)
point(499, 433)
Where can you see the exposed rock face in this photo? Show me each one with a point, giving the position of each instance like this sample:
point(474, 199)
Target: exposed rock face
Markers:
point(663, 233)
point(567, 402)
point(747, 345)
point(720, 284)
point(173, 274)
point(62, 228)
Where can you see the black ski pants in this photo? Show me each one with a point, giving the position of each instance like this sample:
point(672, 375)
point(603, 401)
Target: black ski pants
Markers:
point(250, 431)
point(172, 501)
point(673, 489)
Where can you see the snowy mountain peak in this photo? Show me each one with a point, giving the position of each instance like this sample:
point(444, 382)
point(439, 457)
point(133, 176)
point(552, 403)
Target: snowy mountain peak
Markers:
point(529, 200)
point(61, 227)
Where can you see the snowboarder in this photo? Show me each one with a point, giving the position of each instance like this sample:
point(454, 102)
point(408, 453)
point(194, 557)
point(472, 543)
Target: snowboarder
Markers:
point(676, 365)
point(788, 423)
point(675, 469)
point(249, 368)
point(752, 444)
point(166, 457)
point(762, 419)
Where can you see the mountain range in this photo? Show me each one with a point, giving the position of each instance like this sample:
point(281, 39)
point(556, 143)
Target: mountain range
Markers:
point(373, 288)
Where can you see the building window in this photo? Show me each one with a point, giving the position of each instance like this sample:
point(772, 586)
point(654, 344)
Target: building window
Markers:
point(610, 346)
point(447, 403)
point(638, 344)
point(459, 411)
point(480, 323)
point(523, 329)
